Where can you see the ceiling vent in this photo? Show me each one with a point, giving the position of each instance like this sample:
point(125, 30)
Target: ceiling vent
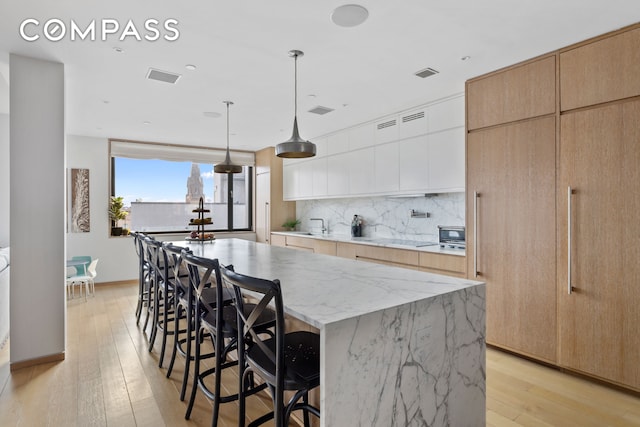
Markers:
point(386, 124)
point(320, 110)
point(412, 117)
point(162, 76)
point(426, 72)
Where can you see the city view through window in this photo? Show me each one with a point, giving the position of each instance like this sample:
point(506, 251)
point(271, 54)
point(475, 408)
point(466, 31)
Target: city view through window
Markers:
point(161, 195)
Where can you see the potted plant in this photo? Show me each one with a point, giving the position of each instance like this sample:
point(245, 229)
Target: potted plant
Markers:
point(116, 213)
point(291, 224)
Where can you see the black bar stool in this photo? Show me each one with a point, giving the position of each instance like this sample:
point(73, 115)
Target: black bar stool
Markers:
point(287, 361)
point(220, 323)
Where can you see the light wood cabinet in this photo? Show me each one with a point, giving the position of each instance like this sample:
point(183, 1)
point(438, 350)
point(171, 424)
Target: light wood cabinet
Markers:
point(595, 259)
point(443, 264)
point(271, 211)
point(599, 160)
point(307, 244)
point(524, 91)
point(600, 71)
point(512, 169)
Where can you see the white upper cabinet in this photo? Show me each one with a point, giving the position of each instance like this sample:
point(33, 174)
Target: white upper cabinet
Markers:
point(305, 179)
point(290, 181)
point(446, 161)
point(361, 137)
point(386, 130)
point(361, 171)
point(338, 175)
point(386, 168)
point(319, 176)
point(321, 146)
point(446, 115)
point(417, 151)
point(338, 143)
point(413, 123)
point(413, 155)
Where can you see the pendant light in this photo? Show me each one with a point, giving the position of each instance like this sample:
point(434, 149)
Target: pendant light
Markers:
point(227, 166)
point(295, 147)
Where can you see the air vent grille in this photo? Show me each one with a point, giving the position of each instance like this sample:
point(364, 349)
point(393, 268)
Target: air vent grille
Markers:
point(412, 117)
point(162, 76)
point(426, 72)
point(320, 110)
point(386, 124)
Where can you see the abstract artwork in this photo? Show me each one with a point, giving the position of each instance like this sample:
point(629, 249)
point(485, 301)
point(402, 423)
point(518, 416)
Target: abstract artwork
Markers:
point(79, 213)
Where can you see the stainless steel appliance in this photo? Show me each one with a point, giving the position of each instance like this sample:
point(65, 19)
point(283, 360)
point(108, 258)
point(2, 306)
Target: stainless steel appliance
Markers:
point(451, 236)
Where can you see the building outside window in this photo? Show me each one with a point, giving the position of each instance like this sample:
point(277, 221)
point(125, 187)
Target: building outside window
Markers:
point(160, 194)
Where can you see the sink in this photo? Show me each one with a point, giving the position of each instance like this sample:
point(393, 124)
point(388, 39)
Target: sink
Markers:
point(300, 233)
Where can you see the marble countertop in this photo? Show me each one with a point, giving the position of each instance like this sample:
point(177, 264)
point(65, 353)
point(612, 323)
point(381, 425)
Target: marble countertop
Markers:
point(415, 245)
point(323, 289)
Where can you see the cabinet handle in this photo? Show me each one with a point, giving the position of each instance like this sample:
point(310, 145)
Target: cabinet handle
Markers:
point(570, 191)
point(267, 226)
point(475, 233)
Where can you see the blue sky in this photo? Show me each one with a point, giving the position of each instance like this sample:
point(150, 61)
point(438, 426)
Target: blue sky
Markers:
point(157, 180)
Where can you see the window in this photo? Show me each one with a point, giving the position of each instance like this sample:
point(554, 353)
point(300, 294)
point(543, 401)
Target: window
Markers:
point(160, 193)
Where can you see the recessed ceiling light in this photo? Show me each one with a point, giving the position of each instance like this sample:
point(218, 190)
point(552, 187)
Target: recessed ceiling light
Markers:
point(211, 114)
point(190, 67)
point(146, 122)
point(118, 49)
point(465, 58)
point(311, 95)
point(105, 101)
point(349, 15)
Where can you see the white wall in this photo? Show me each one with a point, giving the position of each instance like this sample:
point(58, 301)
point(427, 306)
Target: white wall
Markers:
point(37, 208)
point(4, 180)
point(117, 254)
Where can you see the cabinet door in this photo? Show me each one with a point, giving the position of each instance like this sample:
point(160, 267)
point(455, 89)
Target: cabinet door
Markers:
point(361, 172)
point(305, 180)
point(601, 71)
point(512, 168)
point(338, 175)
point(445, 160)
point(319, 176)
point(598, 324)
point(520, 92)
point(263, 198)
point(413, 161)
point(290, 181)
point(387, 168)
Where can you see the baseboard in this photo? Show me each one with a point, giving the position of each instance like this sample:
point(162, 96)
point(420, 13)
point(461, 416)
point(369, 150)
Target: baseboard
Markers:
point(118, 283)
point(37, 361)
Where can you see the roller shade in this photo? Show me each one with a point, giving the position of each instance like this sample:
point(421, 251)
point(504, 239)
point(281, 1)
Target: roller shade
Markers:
point(177, 153)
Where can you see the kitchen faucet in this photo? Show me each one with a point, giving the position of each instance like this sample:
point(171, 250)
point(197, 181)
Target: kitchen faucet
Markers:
point(319, 219)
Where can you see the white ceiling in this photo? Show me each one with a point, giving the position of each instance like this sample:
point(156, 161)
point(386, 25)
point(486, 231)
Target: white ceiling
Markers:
point(240, 50)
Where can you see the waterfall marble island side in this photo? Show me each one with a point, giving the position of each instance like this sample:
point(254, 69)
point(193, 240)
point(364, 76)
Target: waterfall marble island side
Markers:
point(399, 347)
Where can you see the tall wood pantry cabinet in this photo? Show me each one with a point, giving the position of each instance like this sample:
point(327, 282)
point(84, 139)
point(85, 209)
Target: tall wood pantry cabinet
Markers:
point(511, 162)
point(599, 208)
point(562, 165)
point(270, 211)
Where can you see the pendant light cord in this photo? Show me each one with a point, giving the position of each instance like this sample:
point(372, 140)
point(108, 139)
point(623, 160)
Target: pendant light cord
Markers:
point(295, 85)
point(227, 126)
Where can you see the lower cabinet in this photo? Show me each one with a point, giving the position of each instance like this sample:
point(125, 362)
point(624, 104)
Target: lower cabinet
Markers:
point(450, 265)
point(326, 247)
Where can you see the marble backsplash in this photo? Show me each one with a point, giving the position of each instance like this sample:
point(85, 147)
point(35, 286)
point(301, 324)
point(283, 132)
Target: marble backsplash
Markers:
point(385, 217)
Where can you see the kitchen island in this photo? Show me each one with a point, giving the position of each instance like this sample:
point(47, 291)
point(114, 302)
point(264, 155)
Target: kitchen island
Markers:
point(398, 347)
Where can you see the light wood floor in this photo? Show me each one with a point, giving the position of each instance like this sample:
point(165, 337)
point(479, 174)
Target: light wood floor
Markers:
point(109, 378)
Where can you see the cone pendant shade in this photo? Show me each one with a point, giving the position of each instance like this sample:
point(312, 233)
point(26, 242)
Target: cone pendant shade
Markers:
point(295, 147)
point(227, 166)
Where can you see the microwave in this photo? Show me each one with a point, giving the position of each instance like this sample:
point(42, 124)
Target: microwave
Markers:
point(451, 236)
